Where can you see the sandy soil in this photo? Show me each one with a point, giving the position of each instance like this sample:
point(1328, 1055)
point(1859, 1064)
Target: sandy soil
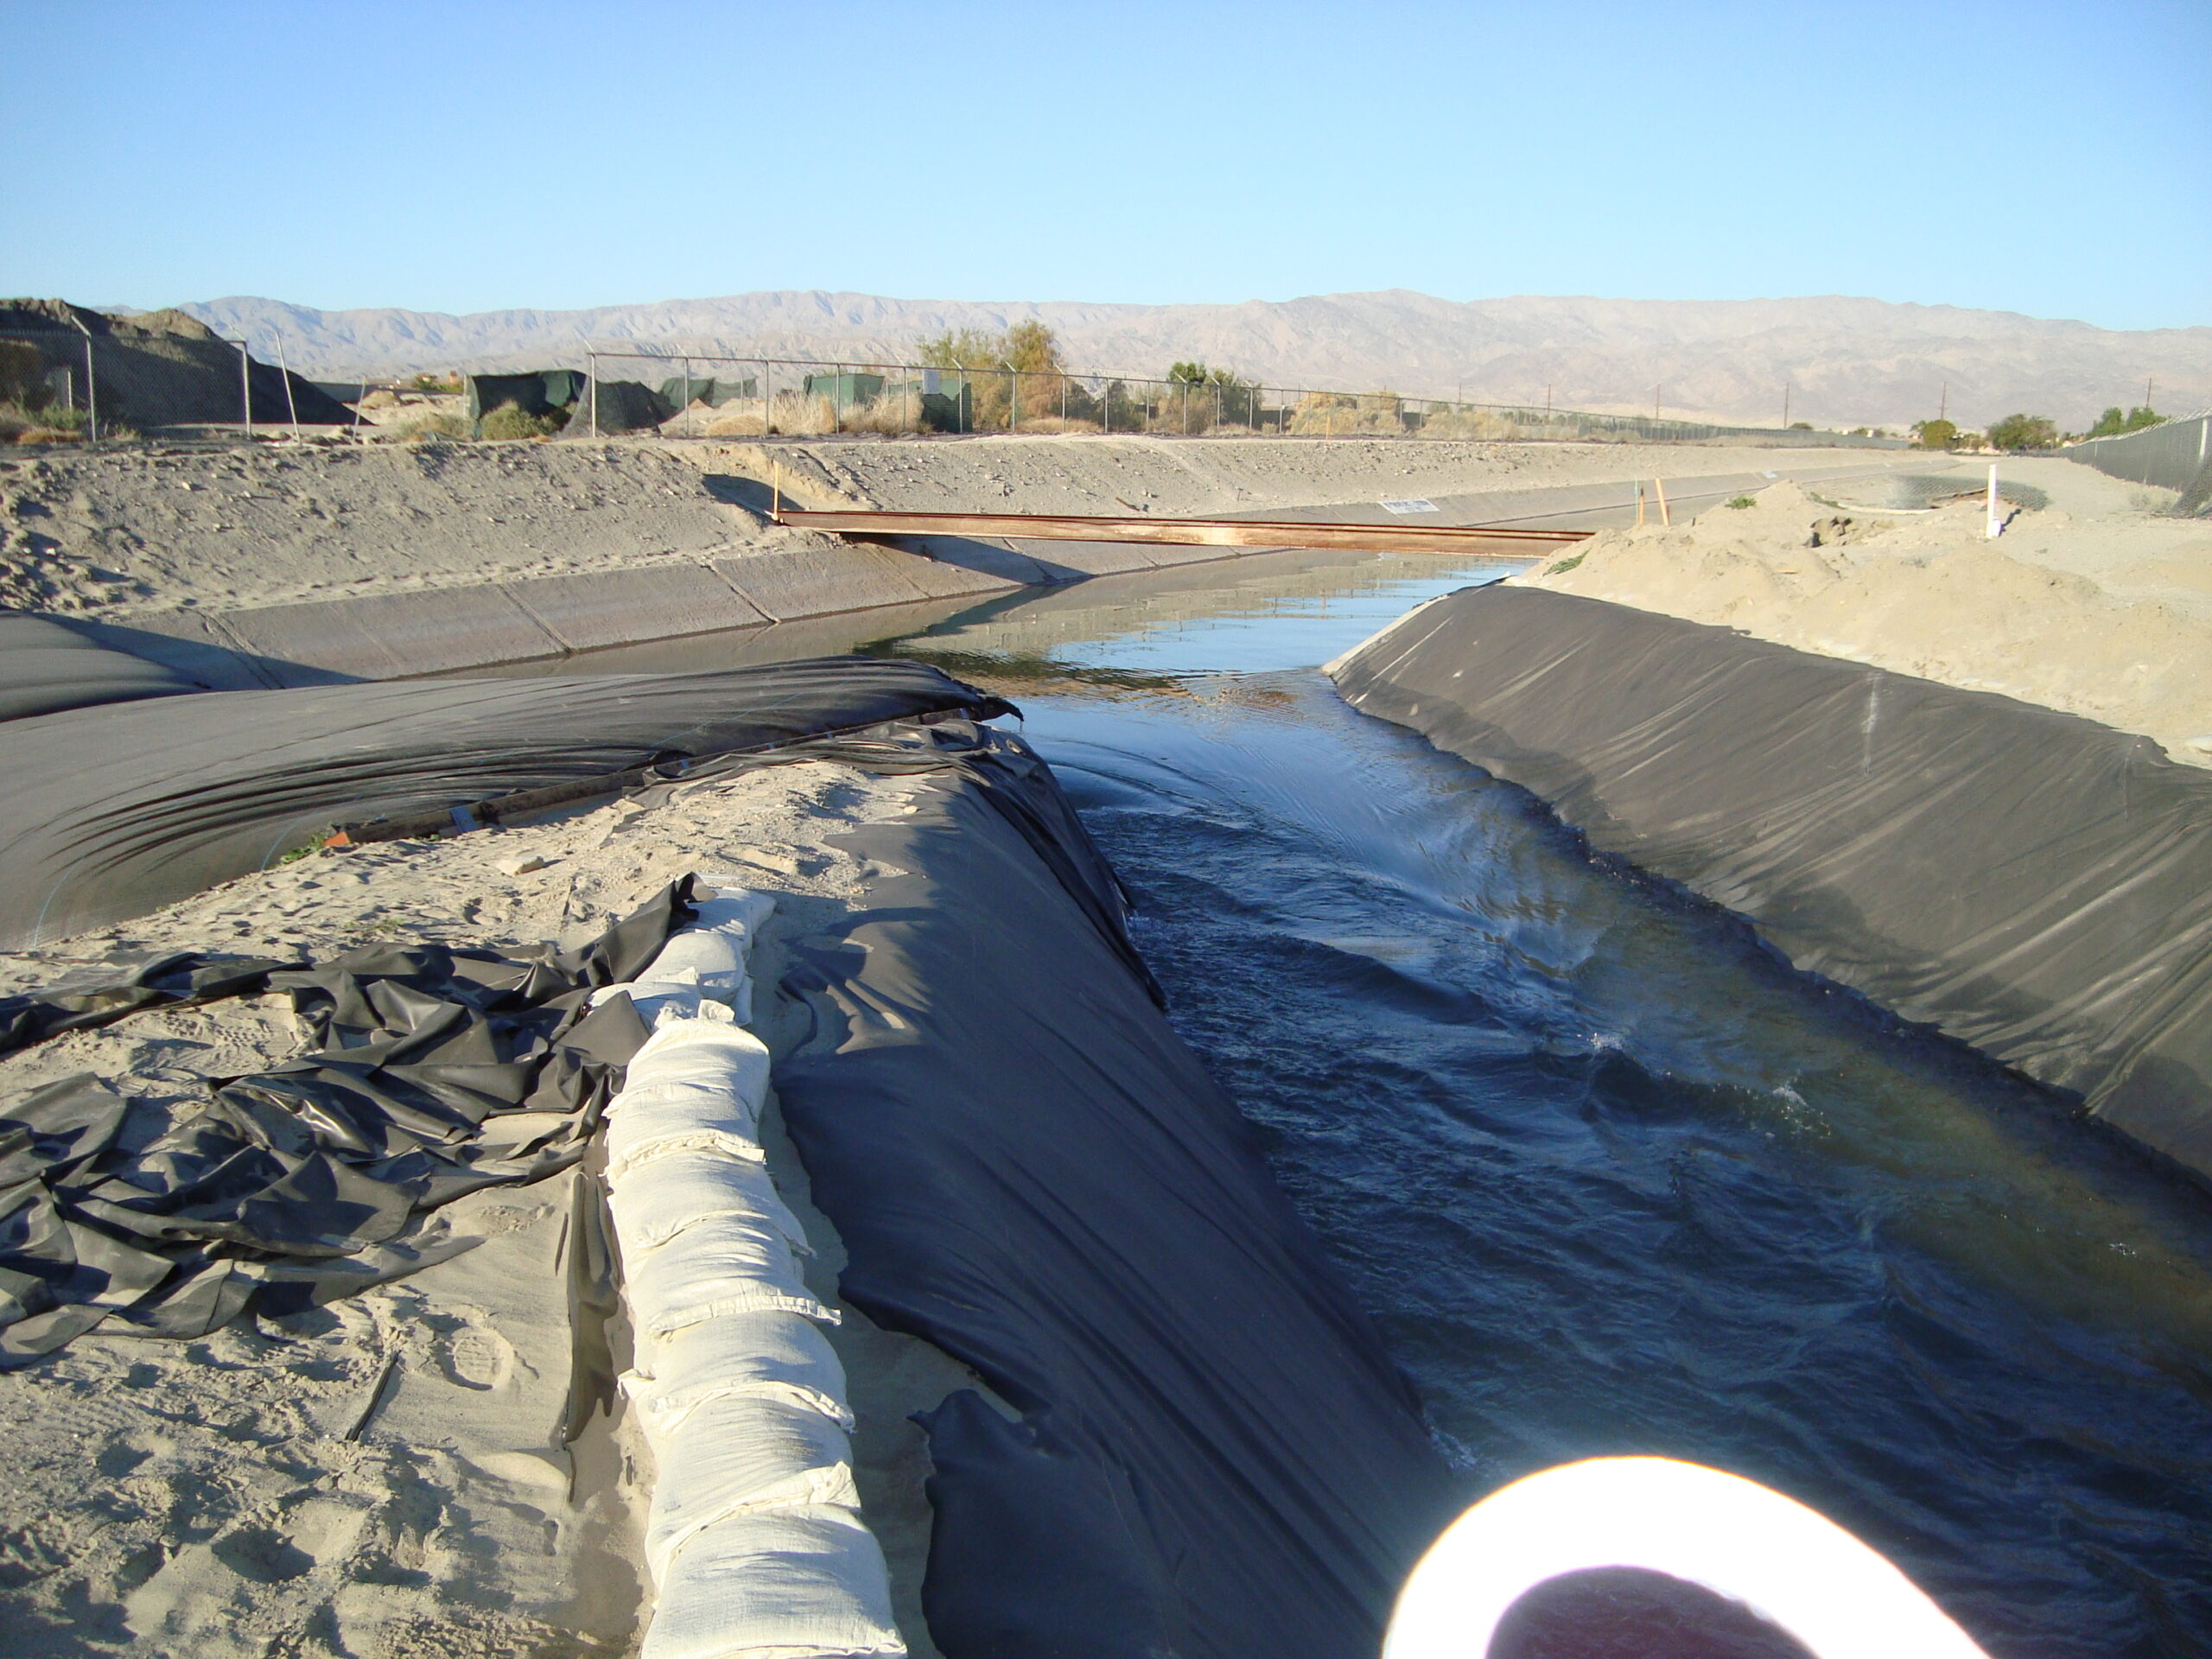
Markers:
point(114, 533)
point(2094, 603)
point(1111, 476)
point(382, 1479)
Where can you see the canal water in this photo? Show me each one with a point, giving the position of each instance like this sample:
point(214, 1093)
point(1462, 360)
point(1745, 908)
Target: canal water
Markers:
point(1612, 1176)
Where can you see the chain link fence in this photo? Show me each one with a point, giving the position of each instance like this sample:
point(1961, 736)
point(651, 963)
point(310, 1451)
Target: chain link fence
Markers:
point(2172, 456)
point(702, 394)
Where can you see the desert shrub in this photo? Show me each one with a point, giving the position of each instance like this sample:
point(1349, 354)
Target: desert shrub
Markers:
point(45, 423)
point(1337, 414)
point(421, 429)
point(22, 377)
point(2024, 432)
point(510, 421)
point(1801, 426)
point(1934, 435)
point(1484, 424)
point(1741, 501)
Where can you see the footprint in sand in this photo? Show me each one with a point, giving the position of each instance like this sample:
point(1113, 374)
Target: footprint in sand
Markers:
point(474, 1356)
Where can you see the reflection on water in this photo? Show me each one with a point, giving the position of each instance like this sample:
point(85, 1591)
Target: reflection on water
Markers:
point(1612, 1177)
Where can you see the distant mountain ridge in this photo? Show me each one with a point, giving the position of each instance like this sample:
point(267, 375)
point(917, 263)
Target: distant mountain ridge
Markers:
point(1847, 361)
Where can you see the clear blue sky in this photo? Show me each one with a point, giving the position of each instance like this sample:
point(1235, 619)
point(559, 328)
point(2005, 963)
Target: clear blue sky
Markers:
point(477, 155)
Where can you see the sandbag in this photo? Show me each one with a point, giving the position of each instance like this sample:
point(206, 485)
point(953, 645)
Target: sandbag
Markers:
point(673, 1184)
point(738, 1353)
point(704, 1075)
point(741, 1452)
point(799, 1582)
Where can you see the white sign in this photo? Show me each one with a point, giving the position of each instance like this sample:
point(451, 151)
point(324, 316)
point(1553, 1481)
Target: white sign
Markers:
point(1416, 504)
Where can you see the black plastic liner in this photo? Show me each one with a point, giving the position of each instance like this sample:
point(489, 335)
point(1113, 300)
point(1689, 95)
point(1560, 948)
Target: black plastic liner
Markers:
point(112, 812)
point(46, 666)
point(428, 1072)
point(2035, 884)
point(1028, 1168)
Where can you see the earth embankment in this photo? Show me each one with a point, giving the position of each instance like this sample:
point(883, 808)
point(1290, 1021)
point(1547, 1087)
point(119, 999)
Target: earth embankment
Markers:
point(2094, 601)
point(258, 564)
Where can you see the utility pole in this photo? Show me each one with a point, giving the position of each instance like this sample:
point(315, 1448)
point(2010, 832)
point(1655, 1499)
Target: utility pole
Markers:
point(1655, 399)
point(1785, 405)
point(1943, 404)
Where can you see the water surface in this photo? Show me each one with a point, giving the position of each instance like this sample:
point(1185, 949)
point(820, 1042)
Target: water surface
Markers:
point(1611, 1175)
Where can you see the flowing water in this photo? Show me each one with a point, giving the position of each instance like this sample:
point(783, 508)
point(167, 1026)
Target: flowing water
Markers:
point(1610, 1176)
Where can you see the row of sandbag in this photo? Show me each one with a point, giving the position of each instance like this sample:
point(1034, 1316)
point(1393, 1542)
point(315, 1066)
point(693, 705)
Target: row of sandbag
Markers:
point(754, 1537)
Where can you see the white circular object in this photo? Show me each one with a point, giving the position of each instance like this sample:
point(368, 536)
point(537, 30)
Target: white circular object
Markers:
point(1789, 1564)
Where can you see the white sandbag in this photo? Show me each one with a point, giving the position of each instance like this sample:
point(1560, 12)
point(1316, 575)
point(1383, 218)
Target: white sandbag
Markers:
point(642, 1149)
point(738, 1453)
point(679, 994)
point(662, 1189)
point(736, 1354)
point(701, 1073)
point(703, 966)
point(784, 1583)
point(715, 947)
point(724, 1264)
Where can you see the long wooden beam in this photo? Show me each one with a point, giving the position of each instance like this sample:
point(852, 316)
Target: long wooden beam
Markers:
point(1191, 533)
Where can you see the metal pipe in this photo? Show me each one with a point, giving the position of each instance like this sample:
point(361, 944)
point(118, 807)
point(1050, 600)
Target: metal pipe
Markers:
point(291, 404)
point(1199, 532)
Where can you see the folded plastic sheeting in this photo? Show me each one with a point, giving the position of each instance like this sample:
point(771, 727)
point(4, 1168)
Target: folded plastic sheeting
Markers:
point(1027, 1168)
point(46, 666)
point(753, 1537)
point(110, 812)
point(2035, 884)
point(427, 1072)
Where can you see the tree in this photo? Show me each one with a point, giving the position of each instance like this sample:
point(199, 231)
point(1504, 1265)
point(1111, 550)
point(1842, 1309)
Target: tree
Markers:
point(1221, 390)
point(2113, 423)
point(1934, 435)
point(1031, 349)
point(2024, 432)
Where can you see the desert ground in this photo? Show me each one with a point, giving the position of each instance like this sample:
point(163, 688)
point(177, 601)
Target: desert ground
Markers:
point(384, 1475)
point(2096, 602)
point(381, 1476)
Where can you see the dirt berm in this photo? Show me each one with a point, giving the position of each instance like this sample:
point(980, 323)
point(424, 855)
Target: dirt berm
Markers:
point(263, 563)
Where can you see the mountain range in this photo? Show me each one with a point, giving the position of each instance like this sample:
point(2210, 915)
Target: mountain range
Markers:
point(1845, 362)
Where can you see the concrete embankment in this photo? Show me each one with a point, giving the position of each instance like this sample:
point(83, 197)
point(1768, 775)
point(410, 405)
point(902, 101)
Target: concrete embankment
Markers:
point(282, 564)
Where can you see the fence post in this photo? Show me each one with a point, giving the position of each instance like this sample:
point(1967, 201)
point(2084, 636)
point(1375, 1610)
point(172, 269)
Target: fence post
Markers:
point(591, 390)
point(690, 421)
point(291, 404)
point(245, 393)
point(91, 393)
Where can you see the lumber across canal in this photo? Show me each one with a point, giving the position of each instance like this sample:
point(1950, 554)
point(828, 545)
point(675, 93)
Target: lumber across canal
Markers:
point(1191, 533)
